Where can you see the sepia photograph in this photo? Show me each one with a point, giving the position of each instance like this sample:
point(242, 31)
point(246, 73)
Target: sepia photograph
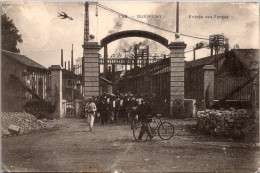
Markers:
point(130, 86)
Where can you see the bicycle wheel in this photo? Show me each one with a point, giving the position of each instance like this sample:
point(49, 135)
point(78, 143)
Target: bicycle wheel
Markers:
point(166, 131)
point(136, 133)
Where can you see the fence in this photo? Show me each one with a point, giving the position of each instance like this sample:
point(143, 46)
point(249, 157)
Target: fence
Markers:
point(70, 110)
point(224, 84)
point(151, 79)
point(78, 69)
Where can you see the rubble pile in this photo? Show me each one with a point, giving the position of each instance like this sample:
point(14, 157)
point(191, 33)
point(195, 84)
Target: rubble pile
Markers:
point(226, 123)
point(25, 122)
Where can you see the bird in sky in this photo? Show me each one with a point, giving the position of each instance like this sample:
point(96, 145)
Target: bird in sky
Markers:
point(63, 15)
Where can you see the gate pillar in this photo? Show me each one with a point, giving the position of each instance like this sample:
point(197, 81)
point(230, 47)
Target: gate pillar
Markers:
point(91, 69)
point(56, 86)
point(209, 77)
point(177, 78)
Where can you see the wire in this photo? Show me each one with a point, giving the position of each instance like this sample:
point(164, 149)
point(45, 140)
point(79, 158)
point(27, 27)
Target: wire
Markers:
point(195, 49)
point(154, 26)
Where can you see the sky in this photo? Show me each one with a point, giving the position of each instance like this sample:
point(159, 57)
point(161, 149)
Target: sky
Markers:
point(44, 34)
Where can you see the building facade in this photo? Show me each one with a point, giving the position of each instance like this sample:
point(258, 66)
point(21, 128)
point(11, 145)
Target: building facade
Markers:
point(22, 79)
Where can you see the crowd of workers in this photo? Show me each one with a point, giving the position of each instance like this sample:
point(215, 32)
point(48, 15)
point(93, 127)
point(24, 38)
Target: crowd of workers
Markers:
point(127, 108)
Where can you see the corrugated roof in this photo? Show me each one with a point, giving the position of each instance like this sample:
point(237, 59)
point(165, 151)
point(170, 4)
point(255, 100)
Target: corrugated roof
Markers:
point(22, 59)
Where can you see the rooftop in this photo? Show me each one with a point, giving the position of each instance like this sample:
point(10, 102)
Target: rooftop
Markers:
point(22, 59)
point(246, 56)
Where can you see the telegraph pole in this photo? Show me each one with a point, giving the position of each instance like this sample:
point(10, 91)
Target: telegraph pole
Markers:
point(86, 23)
point(86, 38)
point(177, 18)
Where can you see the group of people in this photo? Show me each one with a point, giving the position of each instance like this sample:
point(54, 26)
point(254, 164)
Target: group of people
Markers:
point(127, 108)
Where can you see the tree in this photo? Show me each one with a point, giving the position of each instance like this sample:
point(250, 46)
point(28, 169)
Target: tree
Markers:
point(10, 37)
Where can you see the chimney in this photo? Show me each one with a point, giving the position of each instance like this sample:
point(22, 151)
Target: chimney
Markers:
point(142, 57)
point(194, 54)
point(113, 68)
point(135, 61)
point(147, 56)
point(69, 65)
point(61, 58)
point(110, 71)
point(65, 65)
point(72, 60)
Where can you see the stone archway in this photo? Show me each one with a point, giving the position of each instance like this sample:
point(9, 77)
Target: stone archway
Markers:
point(91, 63)
point(91, 57)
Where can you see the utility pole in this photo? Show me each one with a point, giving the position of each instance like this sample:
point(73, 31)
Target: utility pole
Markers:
point(177, 18)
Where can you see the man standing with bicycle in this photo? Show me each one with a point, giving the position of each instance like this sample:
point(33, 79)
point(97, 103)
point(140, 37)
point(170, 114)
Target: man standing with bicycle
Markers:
point(144, 112)
point(133, 112)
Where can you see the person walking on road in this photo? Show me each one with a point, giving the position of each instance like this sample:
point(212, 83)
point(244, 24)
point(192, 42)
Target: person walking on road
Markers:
point(91, 111)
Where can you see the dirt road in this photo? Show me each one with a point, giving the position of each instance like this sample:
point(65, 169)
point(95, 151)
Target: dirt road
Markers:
point(112, 147)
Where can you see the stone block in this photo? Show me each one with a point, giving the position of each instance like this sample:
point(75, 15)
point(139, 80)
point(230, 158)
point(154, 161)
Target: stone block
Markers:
point(14, 130)
point(91, 84)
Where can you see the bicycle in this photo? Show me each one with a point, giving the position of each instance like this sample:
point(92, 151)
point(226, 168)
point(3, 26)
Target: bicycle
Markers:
point(165, 130)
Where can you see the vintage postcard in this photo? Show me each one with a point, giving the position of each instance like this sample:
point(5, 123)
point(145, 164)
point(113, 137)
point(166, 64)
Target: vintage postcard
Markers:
point(129, 86)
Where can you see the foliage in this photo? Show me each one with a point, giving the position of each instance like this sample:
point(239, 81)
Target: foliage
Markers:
point(10, 36)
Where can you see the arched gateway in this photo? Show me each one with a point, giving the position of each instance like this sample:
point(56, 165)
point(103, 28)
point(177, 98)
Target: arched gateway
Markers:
point(91, 67)
point(134, 33)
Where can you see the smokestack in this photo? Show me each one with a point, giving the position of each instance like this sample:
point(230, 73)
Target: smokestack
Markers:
point(194, 54)
point(211, 50)
point(65, 66)
point(147, 56)
point(61, 63)
point(135, 61)
point(72, 64)
point(142, 57)
point(69, 65)
point(113, 68)
point(109, 69)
